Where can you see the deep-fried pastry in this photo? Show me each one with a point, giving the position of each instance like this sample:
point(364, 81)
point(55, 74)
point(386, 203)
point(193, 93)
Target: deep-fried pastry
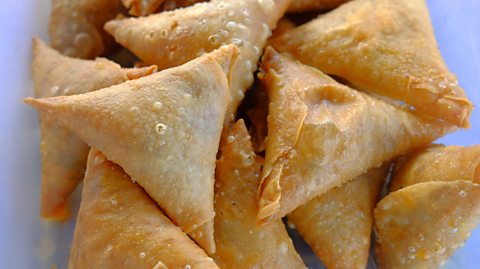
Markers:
point(437, 163)
point(163, 130)
point(172, 38)
point(64, 154)
point(337, 225)
point(322, 134)
point(76, 26)
point(384, 46)
point(241, 241)
point(421, 225)
point(119, 226)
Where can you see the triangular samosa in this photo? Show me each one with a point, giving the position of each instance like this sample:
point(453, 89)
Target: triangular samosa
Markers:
point(421, 225)
point(313, 5)
point(384, 46)
point(76, 26)
point(63, 154)
point(322, 134)
point(163, 130)
point(338, 224)
point(241, 241)
point(119, 226)
point(170, 39)
point(437, 163)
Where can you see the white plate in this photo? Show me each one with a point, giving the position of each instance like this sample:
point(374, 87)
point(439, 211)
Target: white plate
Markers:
point(26, 242)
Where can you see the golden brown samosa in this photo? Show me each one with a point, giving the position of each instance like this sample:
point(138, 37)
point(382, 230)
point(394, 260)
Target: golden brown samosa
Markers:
point(322, 134)
point(142, 7)
point(241, 241)
point(63, 154)
point(119, 226)
point(163, 130)
point(384, 46)
point(76, 26)
point(421, 225)
point(313, 5)
point(172, 38)
point(337, 225)
point(438, 163)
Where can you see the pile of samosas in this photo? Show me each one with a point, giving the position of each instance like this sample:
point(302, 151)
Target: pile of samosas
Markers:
point(182, 167)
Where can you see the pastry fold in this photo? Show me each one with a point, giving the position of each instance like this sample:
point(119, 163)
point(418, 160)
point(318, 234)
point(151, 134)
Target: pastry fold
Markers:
point(421, 225)
point(386, 47)
point(338, 224)
point(119, 226)
point(163, 130)
point(170, 39)
point(76, 26)
point(64, 154)
point(313, 5)
point(241, 241)
point(437, 163)
point(322, 134)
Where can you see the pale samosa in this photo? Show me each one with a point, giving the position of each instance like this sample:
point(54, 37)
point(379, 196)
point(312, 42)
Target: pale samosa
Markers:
point(322, 134)
point(313, 5)
point(163, 130)
point(76, 26)
point(119, 226)
point(437, 163)
point(386, 47)
point(421, 225)
point(241, 241)
point(338, 224)
point(63, 154)
point(170, 39)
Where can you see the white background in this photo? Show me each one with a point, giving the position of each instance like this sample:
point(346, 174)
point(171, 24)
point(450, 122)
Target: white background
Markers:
point(25, 241)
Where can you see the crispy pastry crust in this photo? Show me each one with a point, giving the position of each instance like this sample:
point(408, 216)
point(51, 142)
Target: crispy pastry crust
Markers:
point(119, 226)
point(163, 130)
point(386, 47)
point(322, 134)
point(421, 225)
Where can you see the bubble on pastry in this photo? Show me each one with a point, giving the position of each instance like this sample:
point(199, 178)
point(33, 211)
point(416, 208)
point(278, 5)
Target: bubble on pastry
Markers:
point(188, 266)
point(213, 39)
point(157, 105)
point(114, 202)
point(230, 138)
point(160, 128)
point(462, 193)
point(142, 255)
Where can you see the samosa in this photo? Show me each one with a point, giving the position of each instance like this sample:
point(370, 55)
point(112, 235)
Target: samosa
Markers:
point(119, 226)
point(163, 130)
point(437, 163)
point(170, 39)
point(386, 47)
point(63, 154)
point(421, 225)
point(241, 241)
point(338, 224)
point(76, 26)
point(322, 134)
